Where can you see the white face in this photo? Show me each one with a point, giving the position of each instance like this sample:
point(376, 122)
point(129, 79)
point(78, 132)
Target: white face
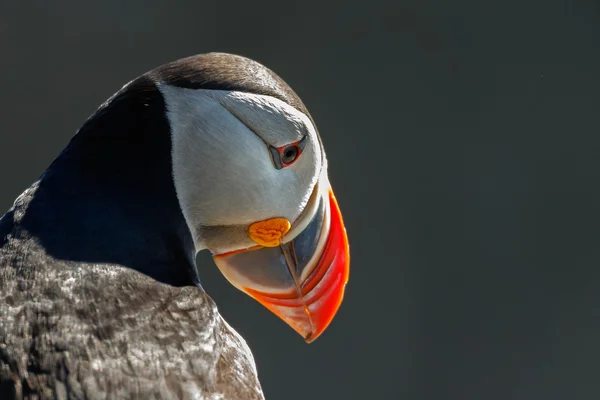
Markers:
point(224, 172)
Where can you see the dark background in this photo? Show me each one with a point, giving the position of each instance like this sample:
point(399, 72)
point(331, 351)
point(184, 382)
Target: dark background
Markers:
point(463, 139)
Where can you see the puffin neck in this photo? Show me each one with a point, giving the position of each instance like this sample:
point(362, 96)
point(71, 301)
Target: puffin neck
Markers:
point(110, 198)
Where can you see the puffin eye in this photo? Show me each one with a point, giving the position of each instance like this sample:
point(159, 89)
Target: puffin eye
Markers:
point(289, 154)
point(286, 155)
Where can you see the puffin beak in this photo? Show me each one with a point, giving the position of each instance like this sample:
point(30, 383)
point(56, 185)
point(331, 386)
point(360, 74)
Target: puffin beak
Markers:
point(302, 280)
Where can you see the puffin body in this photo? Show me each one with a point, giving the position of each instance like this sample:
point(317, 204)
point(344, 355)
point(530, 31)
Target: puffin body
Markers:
point(99, 292)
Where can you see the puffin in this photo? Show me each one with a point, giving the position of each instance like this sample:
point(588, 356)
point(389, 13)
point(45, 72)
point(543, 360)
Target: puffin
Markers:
point(100, 295)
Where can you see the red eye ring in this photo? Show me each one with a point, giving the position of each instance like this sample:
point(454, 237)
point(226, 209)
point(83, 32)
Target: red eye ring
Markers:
point(289, 154)
point(286, 155)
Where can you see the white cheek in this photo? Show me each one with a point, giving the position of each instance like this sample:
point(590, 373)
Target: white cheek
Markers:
point(223, 171)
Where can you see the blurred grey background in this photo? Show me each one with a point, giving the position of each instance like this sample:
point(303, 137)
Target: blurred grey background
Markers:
point(463, 139)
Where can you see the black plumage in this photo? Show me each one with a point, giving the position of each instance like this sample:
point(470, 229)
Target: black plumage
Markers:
point(99, 292)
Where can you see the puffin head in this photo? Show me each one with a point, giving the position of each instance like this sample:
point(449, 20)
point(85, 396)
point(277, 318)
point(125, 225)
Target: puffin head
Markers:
point(250, 174)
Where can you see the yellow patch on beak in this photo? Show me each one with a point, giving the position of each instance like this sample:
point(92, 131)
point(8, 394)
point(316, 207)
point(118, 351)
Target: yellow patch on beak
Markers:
point(268, 233)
